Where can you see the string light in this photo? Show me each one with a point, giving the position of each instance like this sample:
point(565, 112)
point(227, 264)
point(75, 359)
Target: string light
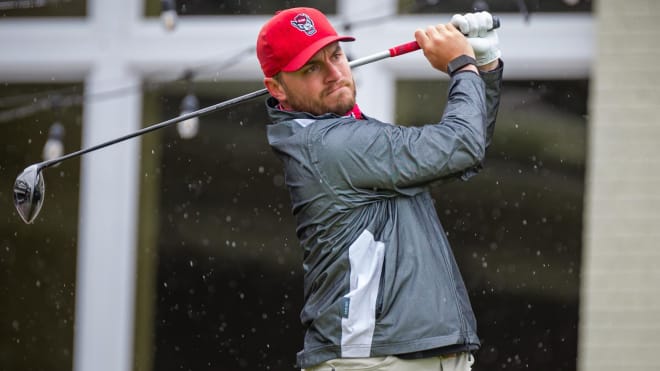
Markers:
point(523, 9)
point(168, 14)
point(480, 6)
point(188, 128)
point(54, 146)
point(33, 103)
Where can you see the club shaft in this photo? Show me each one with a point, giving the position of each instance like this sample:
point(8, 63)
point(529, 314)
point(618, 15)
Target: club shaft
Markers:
point(199, 112)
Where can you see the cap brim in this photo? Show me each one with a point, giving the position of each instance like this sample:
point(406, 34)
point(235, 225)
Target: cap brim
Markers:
point(299, 61)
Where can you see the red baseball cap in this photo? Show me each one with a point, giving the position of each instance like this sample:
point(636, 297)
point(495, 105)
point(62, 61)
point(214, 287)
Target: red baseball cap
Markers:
point(289, 39)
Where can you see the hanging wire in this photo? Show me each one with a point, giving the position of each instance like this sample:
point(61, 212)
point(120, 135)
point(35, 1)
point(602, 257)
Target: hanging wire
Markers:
point(15, 100)
point(34, 104)
point(69, 96)
point(22, 4)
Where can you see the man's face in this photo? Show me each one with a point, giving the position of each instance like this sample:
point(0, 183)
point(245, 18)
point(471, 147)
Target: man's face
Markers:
point(323, 85)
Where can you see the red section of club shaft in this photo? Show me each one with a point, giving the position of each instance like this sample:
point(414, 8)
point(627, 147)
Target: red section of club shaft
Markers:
point(404, 48)
point(412, 46)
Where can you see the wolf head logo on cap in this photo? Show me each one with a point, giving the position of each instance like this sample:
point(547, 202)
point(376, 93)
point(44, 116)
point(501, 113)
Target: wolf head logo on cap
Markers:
point(304, 23)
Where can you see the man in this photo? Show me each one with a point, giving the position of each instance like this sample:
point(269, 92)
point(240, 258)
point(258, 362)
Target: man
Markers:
point(382, 289)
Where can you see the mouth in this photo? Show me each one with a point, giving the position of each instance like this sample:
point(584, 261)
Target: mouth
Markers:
point(337, 88)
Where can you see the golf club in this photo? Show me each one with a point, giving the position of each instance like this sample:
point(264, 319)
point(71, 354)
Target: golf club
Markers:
point(29, 187)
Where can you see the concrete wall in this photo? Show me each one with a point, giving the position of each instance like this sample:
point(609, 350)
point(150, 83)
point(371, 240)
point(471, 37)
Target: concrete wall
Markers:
point(620, 309)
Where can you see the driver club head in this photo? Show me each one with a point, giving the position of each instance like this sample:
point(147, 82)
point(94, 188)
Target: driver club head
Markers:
point(29, 191)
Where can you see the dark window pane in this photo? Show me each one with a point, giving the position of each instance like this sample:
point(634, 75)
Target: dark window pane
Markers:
point(236, 7)
point(496, 6)
point(516, 229)
point(38, 261)
point(43, 8)
point(228, 273)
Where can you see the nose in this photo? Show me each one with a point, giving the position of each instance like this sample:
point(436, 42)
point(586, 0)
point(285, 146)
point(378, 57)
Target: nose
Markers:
point(333, 72)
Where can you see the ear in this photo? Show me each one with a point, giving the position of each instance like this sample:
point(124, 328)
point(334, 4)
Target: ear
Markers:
point(275, 89)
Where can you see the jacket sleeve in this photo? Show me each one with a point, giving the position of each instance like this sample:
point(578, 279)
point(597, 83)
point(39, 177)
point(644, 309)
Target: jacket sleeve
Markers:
point(493, 82)
point(374, 155)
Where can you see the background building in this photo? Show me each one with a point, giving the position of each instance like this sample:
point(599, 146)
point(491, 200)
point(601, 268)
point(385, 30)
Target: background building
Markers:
point(164, 253)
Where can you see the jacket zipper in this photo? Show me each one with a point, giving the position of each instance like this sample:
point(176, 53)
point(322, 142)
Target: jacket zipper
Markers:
point(464, 331)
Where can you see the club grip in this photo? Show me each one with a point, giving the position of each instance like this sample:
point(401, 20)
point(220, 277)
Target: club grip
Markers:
point(404, 48)
point(412, 46)
point(496, 22)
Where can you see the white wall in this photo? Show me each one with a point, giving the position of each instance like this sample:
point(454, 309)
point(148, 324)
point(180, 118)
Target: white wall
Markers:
point(620, 298)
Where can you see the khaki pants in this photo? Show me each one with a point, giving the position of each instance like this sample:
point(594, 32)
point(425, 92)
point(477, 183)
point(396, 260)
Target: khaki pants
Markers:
point(458, 362)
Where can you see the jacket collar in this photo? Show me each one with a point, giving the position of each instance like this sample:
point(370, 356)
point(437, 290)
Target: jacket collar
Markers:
point(277, 115)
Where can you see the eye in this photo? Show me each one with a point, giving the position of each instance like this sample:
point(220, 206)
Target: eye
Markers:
point(311, 68)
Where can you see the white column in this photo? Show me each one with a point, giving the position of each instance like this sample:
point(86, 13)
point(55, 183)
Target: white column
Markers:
point(107, 228)
point(375, 84)
point(103, 338)
point(620, 294)
point(376, 92)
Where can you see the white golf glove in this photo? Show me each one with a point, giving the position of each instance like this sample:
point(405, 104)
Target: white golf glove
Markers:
point(476, 27)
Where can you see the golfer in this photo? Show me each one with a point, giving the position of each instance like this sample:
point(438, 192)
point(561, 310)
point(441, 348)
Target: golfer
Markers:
point(382, 289)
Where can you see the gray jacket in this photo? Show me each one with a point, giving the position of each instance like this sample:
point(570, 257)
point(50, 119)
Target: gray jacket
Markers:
point(380, 277)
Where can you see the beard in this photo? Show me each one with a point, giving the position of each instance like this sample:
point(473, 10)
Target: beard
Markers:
point(337, 102)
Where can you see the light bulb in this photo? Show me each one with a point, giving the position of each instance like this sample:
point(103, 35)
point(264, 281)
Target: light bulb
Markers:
point(188, 128)
point(480, 6)
point(54, 146)
point(168, 14)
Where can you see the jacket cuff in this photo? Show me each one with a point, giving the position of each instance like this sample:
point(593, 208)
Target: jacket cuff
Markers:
point(493, 75)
